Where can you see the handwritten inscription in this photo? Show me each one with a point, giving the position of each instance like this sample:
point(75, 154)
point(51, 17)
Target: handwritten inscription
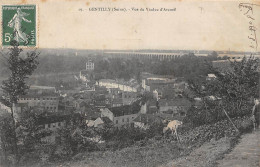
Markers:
point(248, 10)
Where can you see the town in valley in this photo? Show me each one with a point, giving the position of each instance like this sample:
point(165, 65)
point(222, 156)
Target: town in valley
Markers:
point(85, 100)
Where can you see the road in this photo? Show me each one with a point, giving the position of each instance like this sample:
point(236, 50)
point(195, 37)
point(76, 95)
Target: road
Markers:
point(245, 154)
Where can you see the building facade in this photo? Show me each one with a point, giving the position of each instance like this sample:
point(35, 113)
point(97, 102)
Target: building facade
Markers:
point(41, 96)
point(90, 66)
point(121, 116)
point(109, 83)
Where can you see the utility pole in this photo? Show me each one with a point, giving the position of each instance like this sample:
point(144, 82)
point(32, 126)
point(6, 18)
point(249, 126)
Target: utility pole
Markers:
point(258, 82)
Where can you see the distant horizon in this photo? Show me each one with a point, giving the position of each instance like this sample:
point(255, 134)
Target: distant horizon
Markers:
point(136, 50)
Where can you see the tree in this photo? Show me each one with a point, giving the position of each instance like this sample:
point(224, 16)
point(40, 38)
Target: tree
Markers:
point(237, 86)
point(20, 68)
point(28, 130)
point(5, 136)
point(232, 91)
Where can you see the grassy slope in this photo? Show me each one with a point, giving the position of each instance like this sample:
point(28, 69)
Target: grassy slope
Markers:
point(153, 154)
point(208, 143)
point(156, 153)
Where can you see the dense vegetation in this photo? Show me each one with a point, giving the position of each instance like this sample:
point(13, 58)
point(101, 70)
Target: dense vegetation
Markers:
point(231, 93)
point(185, 66)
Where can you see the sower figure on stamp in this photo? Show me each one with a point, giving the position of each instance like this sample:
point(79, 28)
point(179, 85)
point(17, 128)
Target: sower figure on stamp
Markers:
point(16, 23)
point(256, 114)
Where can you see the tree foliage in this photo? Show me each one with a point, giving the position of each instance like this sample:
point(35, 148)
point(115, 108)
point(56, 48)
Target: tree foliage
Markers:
point(232, 90)
point(6, 137)
point(20, 69)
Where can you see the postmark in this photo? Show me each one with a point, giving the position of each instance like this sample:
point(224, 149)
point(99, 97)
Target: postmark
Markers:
point(19, 23)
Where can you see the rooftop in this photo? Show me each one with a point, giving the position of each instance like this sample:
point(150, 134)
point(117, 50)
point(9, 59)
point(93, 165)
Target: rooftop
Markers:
point(56, 118)
point(106, 120)
point(147, 118)
point(38, 95)
point(32, 87)
point(146, 75)
point(174, 102)
point(126, 110)
point(117, 101)
point(39, 91)
point(160, 81)
point(131, 82)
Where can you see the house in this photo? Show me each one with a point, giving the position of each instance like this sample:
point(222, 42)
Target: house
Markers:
point(123, 86)
point(42, 96)
point(119, 97)
point(53, 123)
point(90, 115)
point(4, 108)
point(17, 109)
point(144, 121)
point(86, 75)
point(117, 102)
point(114, 93)
point(151, 82)
point(128, 97)
point(90, 65)
point(83, 75)
point(177, 106)
point(100, 101)
point(100, 122)
point(157, 94)
point(123, 115)
point(150, 107)
point(211, 77)
point(79, 103)
point(90, 123)
point(68, 103)
point(21, 107)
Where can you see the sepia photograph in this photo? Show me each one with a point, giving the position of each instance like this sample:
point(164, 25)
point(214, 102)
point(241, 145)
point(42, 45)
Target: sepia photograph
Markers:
point(130, 83)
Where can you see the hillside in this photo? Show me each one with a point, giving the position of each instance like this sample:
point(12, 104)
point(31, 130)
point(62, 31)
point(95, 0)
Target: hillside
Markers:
point(201, 147)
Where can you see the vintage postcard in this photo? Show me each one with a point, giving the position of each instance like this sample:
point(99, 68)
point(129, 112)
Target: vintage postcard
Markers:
point(129, 83)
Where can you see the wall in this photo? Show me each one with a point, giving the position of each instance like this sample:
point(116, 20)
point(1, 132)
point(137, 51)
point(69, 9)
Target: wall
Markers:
point(143, 109)
point(98, 123)
point(90, 66)
point(48, 102)
point(140, 125)
point(122, 87)
point(123, 120)
point(54, 126)
point(128, 97)
point(4, 108)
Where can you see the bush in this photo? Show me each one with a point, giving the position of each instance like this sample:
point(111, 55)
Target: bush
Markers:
point(216, 130)
point(244, 124)
point(127, 136)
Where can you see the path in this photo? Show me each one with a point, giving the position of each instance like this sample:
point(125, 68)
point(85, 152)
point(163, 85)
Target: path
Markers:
point(204, 156)
point(245, 154)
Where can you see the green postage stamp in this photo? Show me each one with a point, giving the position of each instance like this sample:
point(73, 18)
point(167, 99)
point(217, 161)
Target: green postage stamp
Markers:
point(19, 24)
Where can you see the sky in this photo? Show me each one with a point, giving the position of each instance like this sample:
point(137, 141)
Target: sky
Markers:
point(194, 25)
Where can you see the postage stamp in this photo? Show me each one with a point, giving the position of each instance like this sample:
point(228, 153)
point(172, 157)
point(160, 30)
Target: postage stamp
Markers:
point(19, 24)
